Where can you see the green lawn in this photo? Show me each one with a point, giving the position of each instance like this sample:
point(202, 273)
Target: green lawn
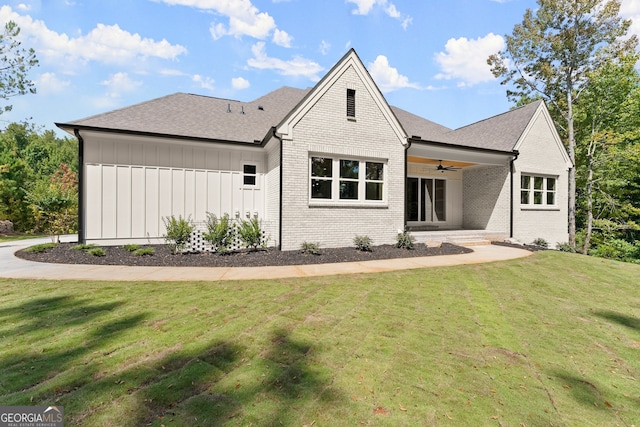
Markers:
point(552, 339)
point(13, 237)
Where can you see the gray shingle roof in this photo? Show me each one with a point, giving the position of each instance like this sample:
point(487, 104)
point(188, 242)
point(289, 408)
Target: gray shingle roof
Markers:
point(195, 116)
point(501, 132)
point(202, 117)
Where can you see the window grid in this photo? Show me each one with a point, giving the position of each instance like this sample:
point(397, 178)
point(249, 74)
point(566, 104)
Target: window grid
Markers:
point(346, 180)
point(537, 190)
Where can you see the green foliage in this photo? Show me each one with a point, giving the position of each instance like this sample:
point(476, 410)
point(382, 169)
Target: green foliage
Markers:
point(55, 203)
point(310, 248)
point(29, 160)
point(250, 232)
point(131, 247)
point(221, 232)
point(97, 252)
point(541, 242)
point(83, 246)
point(15, 63)
point(565, 247)
point(405, 240)
point(363, 243)
point(178, 232)
point(42, 247)
point(144, 251)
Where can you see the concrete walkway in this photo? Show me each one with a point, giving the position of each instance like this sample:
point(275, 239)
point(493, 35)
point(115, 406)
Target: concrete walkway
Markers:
point(13, 267)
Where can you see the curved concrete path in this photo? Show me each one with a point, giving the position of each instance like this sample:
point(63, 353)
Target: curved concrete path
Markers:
point(13, 267)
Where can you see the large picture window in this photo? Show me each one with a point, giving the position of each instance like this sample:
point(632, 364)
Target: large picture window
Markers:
point(538, 190)
point(346, 180)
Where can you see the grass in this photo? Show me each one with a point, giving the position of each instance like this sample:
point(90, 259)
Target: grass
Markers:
point(14, 237)
point(552, 339)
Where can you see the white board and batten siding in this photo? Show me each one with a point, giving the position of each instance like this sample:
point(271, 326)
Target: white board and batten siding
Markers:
point(132, 183)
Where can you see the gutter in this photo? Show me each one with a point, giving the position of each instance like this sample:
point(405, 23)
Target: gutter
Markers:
point(81, 185)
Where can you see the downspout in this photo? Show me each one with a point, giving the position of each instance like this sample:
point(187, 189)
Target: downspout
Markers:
point(511, 207)
point(406, 170)
point(275, 135)
point(81, 185)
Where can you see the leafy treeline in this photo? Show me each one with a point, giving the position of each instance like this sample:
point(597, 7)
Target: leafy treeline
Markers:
point(38, 179)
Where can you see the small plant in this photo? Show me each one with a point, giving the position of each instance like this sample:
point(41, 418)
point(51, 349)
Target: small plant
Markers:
point(250, 233)
point(565, 247)
point(310, 248)
point(96, 252)
point(132, 247)
point(144, 251)
point(541, 242)
point(363, 243)
point(221, 232)
point(83, 246)
point(43, 247)
point(405, 240)
point(178, 232)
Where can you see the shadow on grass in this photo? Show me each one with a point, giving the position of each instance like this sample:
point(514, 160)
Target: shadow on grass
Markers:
point(621, 319)
point(582, 390)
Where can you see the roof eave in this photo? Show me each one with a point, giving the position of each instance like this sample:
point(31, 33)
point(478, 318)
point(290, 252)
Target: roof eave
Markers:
point(463, 147)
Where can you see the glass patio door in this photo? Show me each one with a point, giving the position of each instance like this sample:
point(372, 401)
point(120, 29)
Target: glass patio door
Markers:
point(426, 200)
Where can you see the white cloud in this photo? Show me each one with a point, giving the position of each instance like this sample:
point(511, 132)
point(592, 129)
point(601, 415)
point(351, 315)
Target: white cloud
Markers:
point(170, 72)
point(630, 9)
point(240, 83)
point(119, 84)
point(50, 83)
point(388, 78)
point(364, 7)
point(203, 82)
point(297, 66)
point(325, 47)
point(466, 59)
point(281, 38)
point(105, 43)
point(24, 7)
point(244, 19)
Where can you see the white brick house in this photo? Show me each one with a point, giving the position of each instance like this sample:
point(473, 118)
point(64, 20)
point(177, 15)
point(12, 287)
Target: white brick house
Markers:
point(319, 165)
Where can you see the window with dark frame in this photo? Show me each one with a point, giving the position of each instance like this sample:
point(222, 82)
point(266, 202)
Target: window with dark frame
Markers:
point(351, 103)
point(249, 176)
point(345, 180)
point(537, 190)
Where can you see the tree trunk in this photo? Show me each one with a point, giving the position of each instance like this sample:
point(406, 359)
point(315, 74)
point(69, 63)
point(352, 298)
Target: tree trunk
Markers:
point(587, 237)
point(572, 172)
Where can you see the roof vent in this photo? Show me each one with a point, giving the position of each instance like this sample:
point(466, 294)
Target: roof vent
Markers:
point(228, 108)
point(260, 107)
point(242, 112)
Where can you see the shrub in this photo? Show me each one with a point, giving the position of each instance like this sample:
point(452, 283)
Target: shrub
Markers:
point(43, 247)
point(131, 247)
point(310, 248)
point(363, 243)
point(144, 251)
point(541, 242)
point(83, 246)
point(250, 233)
point(178, 232)
point(96, 252)
point(220, 232)
point(405, 240)
point(565, 247)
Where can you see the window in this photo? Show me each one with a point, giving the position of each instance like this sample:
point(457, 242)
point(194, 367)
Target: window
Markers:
point(537, 190)
point(351, 103)
point(346, 180)
point(249, 174)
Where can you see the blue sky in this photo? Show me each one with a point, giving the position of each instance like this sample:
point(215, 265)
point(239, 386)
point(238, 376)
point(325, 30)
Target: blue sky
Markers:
point(427, 56)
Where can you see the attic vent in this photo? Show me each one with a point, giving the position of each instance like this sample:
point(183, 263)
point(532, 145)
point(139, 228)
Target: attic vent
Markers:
point(351, 102)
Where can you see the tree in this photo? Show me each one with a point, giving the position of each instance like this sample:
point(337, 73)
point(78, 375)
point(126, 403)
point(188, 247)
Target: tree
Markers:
point(598, 114)
point(15, 63)
point(551, 54)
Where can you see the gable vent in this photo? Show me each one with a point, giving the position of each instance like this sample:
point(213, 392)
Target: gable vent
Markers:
point(351, 102)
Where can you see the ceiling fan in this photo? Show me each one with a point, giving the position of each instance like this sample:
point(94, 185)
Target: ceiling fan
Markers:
point(446, 168)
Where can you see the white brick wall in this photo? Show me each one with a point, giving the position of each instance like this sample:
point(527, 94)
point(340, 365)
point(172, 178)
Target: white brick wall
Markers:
point(326, 129)
point(486, 201)
point(539, 154)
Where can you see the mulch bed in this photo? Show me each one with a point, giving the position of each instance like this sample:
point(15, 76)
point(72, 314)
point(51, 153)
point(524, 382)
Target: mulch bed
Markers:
point(65, 253)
